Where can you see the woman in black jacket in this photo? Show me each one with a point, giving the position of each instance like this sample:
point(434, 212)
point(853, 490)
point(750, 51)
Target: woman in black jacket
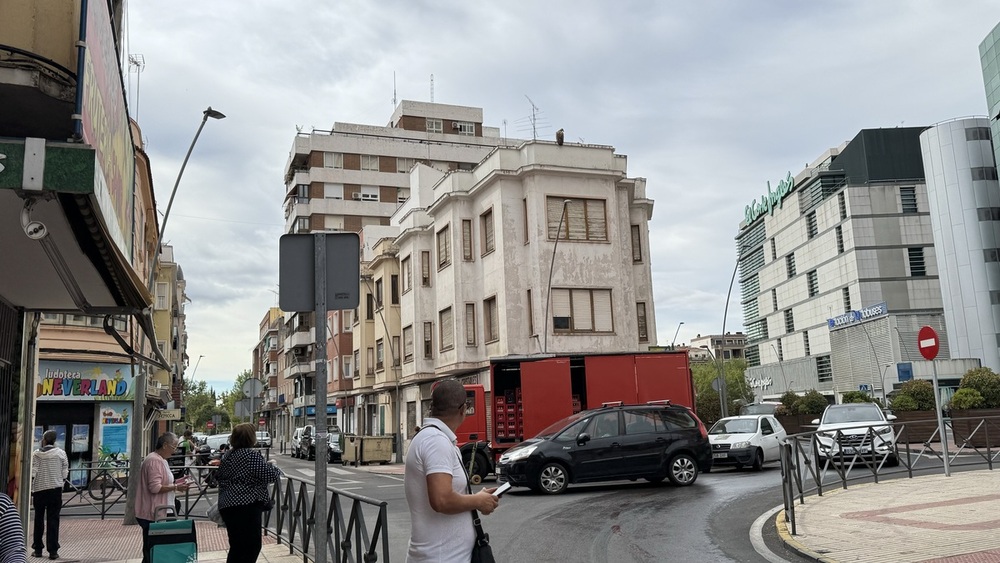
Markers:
point(243, 477)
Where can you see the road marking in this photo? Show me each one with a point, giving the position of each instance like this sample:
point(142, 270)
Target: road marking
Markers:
point(393, 485)
point(757, 536)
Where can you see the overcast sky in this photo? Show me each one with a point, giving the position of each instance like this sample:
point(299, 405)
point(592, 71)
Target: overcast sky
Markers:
point(710, 100)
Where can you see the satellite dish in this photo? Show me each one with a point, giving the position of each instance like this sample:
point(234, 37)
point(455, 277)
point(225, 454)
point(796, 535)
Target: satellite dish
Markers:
point(252, 388)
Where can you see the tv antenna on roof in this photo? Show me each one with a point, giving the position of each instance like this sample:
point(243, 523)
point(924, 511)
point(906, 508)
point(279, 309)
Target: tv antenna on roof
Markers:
point(535, 121)
point(393, 89)
point(432, 88)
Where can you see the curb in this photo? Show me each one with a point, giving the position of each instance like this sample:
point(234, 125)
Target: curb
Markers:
point(797, 546)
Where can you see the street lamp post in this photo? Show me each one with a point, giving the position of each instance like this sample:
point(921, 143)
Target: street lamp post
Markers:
point(780, 366)
point(725, 315)
point(548, 290)
point(885, 396)
point(674, 341)
point(139, 403)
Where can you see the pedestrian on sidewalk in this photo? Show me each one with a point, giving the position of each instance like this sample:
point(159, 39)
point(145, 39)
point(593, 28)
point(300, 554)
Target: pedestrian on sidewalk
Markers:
point(243, 477)
point(436, 484)
point(156, 486)
point(187, 449)
point(11, 533)
point(49, 470)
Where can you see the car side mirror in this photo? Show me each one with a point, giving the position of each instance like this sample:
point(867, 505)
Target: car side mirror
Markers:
point(890, 417)
point(582, 438)
point(815, 421)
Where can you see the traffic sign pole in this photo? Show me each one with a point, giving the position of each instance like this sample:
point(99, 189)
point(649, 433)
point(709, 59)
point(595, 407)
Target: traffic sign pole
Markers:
point(929, 344)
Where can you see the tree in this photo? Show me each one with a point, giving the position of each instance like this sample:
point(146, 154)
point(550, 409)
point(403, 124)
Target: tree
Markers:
point(230, 398)
point(707, 398)
point(813, 402)
point(199, 403)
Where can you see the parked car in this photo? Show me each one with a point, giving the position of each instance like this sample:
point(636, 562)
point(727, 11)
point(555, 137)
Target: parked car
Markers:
point(763, 407)
point(746, 440)
point(263, 439)
point(297, 440)
point(855, 430)
point(652, 442)
point(217, 441)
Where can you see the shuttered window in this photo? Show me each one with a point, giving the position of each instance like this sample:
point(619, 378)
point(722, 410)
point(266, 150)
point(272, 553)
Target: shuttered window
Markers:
point(585, 219)
point(447, 329)
point(444, 247)
point(407, 269)
point(582, 310)
point(486, 231)
point(408, 344)
point(470, 324)
point(428, 333)
point(640, 314)
point(636, 244)
point(467, 240)
point(491, 324)
point(425, 268)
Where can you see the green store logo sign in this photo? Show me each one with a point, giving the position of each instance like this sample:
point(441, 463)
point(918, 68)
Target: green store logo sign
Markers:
point(769, 200)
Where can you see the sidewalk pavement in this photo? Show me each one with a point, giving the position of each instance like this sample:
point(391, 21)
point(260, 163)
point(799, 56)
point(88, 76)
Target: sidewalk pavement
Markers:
point(931, 519)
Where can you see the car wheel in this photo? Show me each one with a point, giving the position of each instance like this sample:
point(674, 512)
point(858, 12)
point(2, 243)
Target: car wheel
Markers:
point(758, 460)
point(481, 466)
point(553, 479)
point(682, 470)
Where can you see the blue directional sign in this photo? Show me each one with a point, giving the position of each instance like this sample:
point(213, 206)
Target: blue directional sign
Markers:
point(864, 387)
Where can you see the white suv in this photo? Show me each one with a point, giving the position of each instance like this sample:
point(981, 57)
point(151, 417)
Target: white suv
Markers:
point(855, 430)
point(746, 440)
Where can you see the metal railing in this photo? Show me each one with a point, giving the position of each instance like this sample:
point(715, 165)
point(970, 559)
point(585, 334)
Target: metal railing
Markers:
point(810, 466)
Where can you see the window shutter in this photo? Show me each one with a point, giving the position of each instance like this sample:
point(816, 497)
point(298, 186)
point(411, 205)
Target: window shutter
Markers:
point(636, 244)
point(447, 330)
point(560, 303)
point(494, 321)
point(553, 209)
point(488, 232)
point(597, 223)
point(428, 331)
point(470, 324)
point(576, 216)
point(582, 312)
point(466, 239)
point(603, 318)
point(408, 343)
point(425, 268)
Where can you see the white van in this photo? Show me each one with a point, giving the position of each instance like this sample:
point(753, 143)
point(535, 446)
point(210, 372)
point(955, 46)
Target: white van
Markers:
point(263, 439)
point(217, 440)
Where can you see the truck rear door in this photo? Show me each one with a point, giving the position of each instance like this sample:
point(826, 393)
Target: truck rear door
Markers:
point(545, 394)
point(610, 378)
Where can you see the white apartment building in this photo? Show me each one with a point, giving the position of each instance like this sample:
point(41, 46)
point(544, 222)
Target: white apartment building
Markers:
point(838, 271)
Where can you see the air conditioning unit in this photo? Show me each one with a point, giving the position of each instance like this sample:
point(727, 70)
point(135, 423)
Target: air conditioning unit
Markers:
point(456, 125)
point(356, 195)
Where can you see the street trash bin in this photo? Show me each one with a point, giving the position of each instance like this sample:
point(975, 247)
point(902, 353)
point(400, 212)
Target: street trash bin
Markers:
point(352, 450)
point(376, 449)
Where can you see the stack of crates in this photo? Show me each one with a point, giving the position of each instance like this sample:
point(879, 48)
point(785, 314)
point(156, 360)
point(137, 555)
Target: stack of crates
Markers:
point(508, 415)
point(577, 406)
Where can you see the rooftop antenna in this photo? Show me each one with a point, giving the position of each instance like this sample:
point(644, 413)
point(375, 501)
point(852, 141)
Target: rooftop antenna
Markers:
point(534, 119)
point(393, 89)
point(432, 88)
point(136, 64)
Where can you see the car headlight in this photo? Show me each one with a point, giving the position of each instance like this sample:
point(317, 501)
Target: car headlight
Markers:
point(740, 445)
point(883, 430)
point(518, 454)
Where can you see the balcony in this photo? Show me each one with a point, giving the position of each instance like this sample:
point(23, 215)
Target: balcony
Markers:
point(301, 338)
point(300, 368)
point(304, 400)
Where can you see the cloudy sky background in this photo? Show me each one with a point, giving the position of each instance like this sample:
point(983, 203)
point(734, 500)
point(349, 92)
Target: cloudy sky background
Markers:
point(710, 100)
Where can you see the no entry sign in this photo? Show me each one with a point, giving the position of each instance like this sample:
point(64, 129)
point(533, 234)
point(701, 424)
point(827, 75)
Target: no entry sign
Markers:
point(928, 343)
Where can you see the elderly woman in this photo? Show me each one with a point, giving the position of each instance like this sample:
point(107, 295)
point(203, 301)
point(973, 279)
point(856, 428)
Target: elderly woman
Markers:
point(156, 486)
point(243, 478)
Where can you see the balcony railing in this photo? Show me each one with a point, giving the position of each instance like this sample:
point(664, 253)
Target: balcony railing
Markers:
point(300, 338)
point(301, 368)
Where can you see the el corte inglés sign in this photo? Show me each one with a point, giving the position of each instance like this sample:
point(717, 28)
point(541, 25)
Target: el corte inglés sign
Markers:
point(770, 200)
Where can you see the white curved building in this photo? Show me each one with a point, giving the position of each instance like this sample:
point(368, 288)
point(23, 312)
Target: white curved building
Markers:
point(964, 200)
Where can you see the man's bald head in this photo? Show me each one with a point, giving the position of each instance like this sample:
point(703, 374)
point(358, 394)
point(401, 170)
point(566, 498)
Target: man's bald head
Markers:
point(446, 398)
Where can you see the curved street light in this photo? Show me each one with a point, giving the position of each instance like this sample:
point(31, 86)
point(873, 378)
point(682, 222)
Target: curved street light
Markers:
point(674, 341)
point(548, 290)
point(780, 366)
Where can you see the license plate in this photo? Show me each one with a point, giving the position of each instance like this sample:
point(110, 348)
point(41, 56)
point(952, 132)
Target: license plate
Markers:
point(720, 456)
point(852, 451)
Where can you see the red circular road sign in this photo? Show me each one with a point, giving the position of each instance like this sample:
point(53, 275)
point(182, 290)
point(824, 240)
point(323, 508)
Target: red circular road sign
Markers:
point(261, 422)
point(209, 424)
point(927, 341)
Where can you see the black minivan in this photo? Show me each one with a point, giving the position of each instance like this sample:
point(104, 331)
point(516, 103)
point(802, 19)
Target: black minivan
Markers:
point(655, 441)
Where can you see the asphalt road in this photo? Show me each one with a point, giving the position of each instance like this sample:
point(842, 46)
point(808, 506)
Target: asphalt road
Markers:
point(619, 522)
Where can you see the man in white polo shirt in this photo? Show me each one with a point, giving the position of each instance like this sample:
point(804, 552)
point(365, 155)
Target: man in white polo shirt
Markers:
point(435, 482)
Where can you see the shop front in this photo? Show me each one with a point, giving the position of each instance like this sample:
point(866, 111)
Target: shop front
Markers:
point(89, 405)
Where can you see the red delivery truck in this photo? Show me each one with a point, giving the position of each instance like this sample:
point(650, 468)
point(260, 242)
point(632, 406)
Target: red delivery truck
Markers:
point(528, 393)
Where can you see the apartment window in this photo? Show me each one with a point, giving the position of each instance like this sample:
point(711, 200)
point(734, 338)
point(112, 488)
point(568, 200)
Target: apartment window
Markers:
point(790, 265)
point(977, 134)
point(394, 288)
point(470, 324)
point(301, 224)
point(428, 333)
point(805, 341)
point(908, 199)
point(524, 209)
point(161, 295)
point(425, 268)
point(378, 293)
point(369, 162)
point(403, 165)
point(379, 354)
point(465, 128)
point(581, 310)
point(357, 362)
point(984, 173)
point(811, 228)
point(435, 126)
point(991, 254)
point(333, 160)
point(491, 324)
point(531, 316)
point(781, 351)
point(916, 259)
point(842, 204)
point(486, 231)
point(774, 251)
point(370, 367)
point(369, 307)
point(813, 281)
point(162, 345)
point(995, 297)
point(467, 240)
point(846, 294)
point(988, 213)
point(447, 325)
point(640, 314)
point(824, 370)
point(347, 367)
point(585, 219)
point(347, 316)
point(394, 351)
point(444, 247)
point(636, 244)
point(408, 343)
point(774, 299)
point(789, 321)
point(840, 240)
point(406, 267)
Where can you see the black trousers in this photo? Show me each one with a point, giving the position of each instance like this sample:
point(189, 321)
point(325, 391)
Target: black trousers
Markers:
point(244, 529)
point(47, 505)
point(144, 524)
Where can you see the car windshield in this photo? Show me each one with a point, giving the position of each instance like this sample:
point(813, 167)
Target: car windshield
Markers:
point(734, 426)
point(557, 426)
point(759, 408)
point(841, 414)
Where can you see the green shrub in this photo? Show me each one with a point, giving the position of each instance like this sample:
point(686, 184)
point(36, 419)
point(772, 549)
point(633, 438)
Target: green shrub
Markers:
point(965, 399)
point(903, 403)
point(857, 397)
point(782, 410)
point(788, 400)
point(987, 382)
point(920, 391)
point(813, 402)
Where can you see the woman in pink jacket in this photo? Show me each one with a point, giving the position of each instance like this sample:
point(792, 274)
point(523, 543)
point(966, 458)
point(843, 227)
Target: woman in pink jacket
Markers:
point(156, 486)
